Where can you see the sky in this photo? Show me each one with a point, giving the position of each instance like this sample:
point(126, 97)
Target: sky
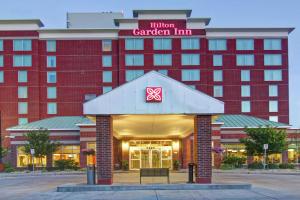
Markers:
point(223, 13)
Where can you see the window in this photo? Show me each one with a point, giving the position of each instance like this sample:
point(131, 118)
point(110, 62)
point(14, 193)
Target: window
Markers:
point(273, 106)
point(162, 44)
point(190, 75)
point(218, 91)
point(1, 61)
point(51, 108)
point(245, 91)
point(162, 59)
point(67, 152)
point(106, 89)
point(273, 75)
point(22, 121)
point(22, 107)
point(190, 43)
point(272, 59)
point(51, 46)
point(22, 92)
point(23, 160)
point(245, 75)
point(22, 61)
point(51, 61)
point(88, 97)
point(22, 76)
point(273, 90)
point(218, 75)
point(106, 61)
point(244, 60)
point(107, 76)
point(163, 71)
point(1, 45)
point(273, 118)
point(134, 44)
point(134, 60)
point(190, 59)
point(272, 44)
point(106, 45)
point(244, 44)
point(246, 107)
point(133, 74)
point(51, 77)
point(217, 60)
point(217, 44)
point(51, 93)
point(22, 45)
point(1, 77)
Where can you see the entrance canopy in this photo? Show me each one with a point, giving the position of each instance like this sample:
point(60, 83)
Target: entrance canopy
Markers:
point(166, 96)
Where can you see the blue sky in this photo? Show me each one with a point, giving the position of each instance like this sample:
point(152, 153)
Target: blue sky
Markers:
point(224, 13)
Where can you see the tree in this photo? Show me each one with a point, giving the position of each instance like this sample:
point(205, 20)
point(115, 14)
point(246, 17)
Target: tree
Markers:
point(257, 137)
point(39, 141)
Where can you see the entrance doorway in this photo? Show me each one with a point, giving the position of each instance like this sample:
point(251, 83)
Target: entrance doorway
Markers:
point(150, 154)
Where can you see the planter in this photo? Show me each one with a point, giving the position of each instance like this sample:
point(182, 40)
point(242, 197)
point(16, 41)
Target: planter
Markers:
point(1, 167)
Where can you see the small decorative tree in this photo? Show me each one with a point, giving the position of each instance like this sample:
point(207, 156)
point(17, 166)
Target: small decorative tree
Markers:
point(257, 137)
point(39, 141)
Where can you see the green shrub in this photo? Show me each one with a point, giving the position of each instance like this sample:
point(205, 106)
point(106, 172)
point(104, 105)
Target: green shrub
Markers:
point(256, 165)
point(272, 166)
point(8, 168)
point(226, 166)
point(286, 166)
point(66, 164)
point(176, 165)
point(234, 161)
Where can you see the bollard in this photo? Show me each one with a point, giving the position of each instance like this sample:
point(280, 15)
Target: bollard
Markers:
point(91, 175)
point(191, 173)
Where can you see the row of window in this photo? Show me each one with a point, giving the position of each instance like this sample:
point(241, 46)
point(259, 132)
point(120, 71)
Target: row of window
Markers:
point(186, 75)
point(158, 60)
point(246, 106)
point(23, 108)
point(158, 44)
point(245, 91)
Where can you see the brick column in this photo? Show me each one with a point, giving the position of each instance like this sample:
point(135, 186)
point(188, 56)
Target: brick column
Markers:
point(202, 148)
point(217, 156)
point(285, 157)
point(104, 152)
point(13, 155)
point(49, 161)
point(83, 157)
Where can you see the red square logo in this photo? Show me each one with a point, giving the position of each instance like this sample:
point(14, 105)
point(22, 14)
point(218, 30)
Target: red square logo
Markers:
point(153, 94)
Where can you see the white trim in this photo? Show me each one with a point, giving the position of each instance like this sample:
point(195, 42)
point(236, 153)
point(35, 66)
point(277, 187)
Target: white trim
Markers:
point(87, 139)
point(214, 137)
point(85, 125)
point(88, 129)
point(35, 129)
point(50, 134)
point(255, 127)
point(230, 140)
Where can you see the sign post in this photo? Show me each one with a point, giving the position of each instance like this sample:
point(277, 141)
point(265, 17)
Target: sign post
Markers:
point(266, 146)
point(32, 152)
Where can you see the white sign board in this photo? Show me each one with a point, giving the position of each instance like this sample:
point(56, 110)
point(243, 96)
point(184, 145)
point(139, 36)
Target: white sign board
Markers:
point(266, 146)
point(32, 152)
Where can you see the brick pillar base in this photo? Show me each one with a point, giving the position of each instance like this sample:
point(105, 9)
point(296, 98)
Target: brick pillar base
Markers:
point(49, 161)
point(250, 160)
point(202, 148)
point(104, 152)
point(285, 157)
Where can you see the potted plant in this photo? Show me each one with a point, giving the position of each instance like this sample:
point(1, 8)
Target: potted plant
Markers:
point(176, 165)
point(125, 165)
point(3, 153)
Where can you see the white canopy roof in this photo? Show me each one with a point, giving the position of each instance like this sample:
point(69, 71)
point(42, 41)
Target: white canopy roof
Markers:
point(130, 98)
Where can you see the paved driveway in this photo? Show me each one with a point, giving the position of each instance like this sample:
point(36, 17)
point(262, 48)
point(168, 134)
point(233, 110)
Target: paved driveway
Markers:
point(43, 187)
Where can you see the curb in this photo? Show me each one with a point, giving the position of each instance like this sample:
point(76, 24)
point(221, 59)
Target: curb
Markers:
point(88, 188)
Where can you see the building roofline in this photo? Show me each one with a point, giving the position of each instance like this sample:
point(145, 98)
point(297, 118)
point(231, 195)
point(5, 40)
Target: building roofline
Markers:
point(83, 30)
point(188, 12)
point(251, 29)
point(124, 20)
point(22, 21)
point(285, 127)
point(206, 20)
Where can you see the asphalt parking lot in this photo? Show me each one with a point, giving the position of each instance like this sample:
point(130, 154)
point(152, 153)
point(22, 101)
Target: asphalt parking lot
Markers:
point(265, 186)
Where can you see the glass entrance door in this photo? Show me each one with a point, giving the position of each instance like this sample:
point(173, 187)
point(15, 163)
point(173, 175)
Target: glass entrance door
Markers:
point(150, 156)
